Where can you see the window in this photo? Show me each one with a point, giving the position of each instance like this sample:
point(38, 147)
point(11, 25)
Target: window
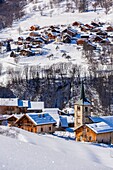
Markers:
point(86, 109)
point(91, 110)
point(90, 138)
point(88, 130)
point(50, 128)
point(78, 108)
point(41, 129)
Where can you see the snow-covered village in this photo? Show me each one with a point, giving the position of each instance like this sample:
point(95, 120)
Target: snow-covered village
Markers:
point(56, 84)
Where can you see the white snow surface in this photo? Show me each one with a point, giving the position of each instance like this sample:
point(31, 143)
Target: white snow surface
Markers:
point(47, 152)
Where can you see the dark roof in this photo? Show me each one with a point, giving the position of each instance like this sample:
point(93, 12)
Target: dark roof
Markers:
point(83, 100)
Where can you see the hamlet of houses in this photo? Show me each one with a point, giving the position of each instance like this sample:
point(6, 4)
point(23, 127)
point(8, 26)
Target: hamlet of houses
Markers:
point(89, 36)
point(34, 117)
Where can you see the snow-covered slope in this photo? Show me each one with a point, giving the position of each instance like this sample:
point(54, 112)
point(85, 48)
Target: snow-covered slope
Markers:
point(47, 152)
point(59, 16)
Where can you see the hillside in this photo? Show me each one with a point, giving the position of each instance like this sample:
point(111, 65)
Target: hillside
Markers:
point(54, 73)
point(32, 151)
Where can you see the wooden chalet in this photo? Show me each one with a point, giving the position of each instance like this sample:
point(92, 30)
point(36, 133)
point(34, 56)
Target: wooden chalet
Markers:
point(103, 34)
point(109, 29)
point(11, 120)
point(83, 28)
point(34, 34)
point(96, 132)
point(37, 123)
point(76, 23)
point(26, 52)
point(29, 39)
point(37, 41)
point(80, 41)
point(89, 27)
point(70, 31)
point(45, 39)
point(9, 105)
point(20, 38)
point(97, 38)
point(34, 27)
point(66, 38)
point(51, 35)
point(95, 24)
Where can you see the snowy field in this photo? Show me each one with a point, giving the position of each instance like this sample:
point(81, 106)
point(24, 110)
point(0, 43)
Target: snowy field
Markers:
point(28, 151)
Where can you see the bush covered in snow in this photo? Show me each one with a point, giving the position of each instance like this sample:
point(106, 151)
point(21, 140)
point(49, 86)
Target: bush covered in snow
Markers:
point(11, 132)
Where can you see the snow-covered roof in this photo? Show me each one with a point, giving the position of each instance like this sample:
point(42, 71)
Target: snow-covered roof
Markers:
point(54, 113)
point(100, 127)
point(8, 101)
point(17, 116)
point(95, 119)
point(69, 111)
point(53, 110)
point(40, 119)
point(23, 103)
point(106, 119)
point(36, 105)
point(63, 121)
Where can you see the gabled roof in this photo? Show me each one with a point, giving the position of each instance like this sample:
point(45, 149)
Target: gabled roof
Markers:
point(40, 119)
point(100, 127)
point(17, 116)
point(95, 119)
point(54, 113)
point(106, 119)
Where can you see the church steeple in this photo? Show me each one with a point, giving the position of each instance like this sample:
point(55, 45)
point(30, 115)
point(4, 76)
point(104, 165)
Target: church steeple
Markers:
point(82, 95)
point(83, 100)
point(82, 109)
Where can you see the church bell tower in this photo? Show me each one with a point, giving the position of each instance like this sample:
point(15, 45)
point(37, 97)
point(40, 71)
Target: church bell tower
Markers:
point(82, 109)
